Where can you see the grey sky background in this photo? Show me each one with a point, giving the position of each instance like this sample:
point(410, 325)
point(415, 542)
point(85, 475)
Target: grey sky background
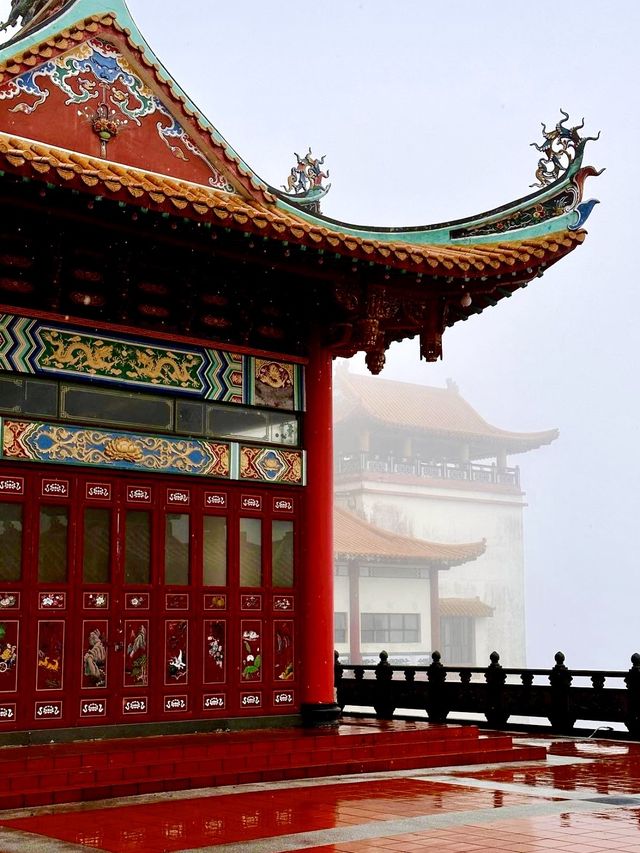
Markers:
point(425, 111)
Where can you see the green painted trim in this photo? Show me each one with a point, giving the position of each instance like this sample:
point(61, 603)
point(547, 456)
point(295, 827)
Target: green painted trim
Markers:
point(441, 235)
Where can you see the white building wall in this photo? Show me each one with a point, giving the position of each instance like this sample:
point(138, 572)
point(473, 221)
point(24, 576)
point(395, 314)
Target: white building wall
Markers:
point(387, 595)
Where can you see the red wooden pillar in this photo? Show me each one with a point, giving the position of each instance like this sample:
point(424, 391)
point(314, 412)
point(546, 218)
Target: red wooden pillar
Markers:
point(316, 627)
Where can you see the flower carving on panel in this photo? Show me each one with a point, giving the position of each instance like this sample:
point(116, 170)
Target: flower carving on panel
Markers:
point(123, 449)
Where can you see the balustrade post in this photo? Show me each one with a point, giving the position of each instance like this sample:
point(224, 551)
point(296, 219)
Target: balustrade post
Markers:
point(562, 718)
point(383, 703)
point(436, 706)
point(632, 680)
point(496, 712)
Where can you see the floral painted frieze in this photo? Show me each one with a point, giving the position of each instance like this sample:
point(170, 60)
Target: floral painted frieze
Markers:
point(46, 442)
point(32, 346)
point(61, 444)
point(272, 465)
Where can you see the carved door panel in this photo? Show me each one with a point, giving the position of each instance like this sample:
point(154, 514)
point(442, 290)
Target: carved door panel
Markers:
point(178, 623)
point(50, 595)
point(137, 636)
point(14, 540)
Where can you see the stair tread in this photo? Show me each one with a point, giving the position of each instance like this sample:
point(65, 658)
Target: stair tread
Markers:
point(44, 774)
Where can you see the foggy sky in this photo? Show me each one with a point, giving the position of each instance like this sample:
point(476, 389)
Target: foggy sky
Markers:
point(425, 111)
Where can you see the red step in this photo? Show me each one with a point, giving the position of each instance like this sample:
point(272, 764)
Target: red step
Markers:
point(90, 770)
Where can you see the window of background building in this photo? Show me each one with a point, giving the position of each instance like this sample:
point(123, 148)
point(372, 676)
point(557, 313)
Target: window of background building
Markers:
point(390, 627)
point(340, 627)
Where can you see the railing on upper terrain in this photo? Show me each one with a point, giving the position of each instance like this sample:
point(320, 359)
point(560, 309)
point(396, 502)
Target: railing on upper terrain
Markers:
point(473, 472)
point(441, 690)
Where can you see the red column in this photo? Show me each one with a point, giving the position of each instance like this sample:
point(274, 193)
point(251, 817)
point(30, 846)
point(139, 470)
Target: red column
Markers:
point(316, 606)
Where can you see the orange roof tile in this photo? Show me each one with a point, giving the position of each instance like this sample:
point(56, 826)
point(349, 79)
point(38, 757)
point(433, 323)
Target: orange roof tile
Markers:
point(354, 537)
point(150, 189)
point(464, 607)
point(425, 409)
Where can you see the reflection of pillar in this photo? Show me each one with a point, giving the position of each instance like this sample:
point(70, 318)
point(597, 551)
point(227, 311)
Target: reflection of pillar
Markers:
point(407, 447)
point(434, 602)
point(354, 612)
point(316, 593)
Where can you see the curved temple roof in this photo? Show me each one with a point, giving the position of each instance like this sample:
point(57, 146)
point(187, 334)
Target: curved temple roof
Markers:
point(388, 283)
point(424, 409)
point(356, 538)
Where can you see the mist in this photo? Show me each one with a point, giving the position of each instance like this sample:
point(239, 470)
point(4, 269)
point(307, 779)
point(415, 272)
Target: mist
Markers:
point(426, 112)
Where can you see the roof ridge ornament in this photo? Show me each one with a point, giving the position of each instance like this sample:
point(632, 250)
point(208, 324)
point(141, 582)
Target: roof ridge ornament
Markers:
point(561, 147)
point(304, 183)
point(26, 10)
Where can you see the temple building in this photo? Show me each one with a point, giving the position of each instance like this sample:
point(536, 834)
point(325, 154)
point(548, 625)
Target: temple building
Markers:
point(168, 322)
point(421, 462)
point(387, 590)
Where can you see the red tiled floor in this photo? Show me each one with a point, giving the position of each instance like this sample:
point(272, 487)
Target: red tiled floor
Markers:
point(243, 817)
point(491, 818)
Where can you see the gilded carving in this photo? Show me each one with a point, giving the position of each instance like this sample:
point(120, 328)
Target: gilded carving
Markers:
point(271, 465)
point(91, 355)
point(120, 359)
point(123, 448)
point(274, 384)
point(45, 442)
point(166, 368)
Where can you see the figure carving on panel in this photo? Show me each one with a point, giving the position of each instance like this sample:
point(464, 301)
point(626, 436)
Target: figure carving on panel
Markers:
point(95, 659)
point(136, 657)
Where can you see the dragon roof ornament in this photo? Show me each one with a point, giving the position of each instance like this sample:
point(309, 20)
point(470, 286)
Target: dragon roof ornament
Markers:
point(304, 183)
point(560, 147)
point(25, 10)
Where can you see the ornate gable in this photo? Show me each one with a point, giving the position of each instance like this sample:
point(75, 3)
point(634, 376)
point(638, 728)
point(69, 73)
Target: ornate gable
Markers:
point(79, 76)
point(93, 99)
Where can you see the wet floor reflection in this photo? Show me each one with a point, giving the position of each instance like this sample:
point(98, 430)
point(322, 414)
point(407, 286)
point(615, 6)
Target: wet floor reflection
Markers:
point(242, 817)
point(611, 769)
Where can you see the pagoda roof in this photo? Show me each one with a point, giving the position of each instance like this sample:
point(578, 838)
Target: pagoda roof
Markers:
point(146, 144)
point(425, 409)
point(355, 538)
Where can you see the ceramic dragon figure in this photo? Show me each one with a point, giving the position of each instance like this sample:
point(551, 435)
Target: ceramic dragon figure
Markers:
point(25, 10)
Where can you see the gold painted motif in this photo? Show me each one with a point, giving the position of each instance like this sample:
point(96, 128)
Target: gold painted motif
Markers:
point(88, 355)
point(119, 359)
point(274, 384)
point(168, 368)
point(124, 449)
point(53, 443)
